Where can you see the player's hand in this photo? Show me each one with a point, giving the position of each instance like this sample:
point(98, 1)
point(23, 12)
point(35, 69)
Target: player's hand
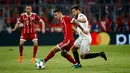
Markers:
point(86, 32)
point(43, 30)
point(12, 30)
point(73, 20)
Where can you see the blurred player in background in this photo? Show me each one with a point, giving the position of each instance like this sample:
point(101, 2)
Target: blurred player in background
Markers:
point(84, 40)
point(68, 41)
point(28, 20)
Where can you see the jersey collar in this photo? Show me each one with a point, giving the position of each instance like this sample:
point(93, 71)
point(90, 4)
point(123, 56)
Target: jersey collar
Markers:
point(61, 17)
point(29, 15)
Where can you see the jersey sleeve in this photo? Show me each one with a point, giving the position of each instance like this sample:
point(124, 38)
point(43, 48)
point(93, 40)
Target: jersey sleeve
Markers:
point(37, 18)
point(67, 20)
point(20, 20)
point(67, 28)
point(72, 20)
point(67, 23)
point(81, 16)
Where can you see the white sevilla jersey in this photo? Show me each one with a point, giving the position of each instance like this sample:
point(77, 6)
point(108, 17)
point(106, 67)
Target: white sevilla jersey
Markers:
point(83, 25)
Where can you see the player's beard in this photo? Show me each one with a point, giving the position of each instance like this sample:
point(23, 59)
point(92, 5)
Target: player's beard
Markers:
point(28, 12)
point(76, 16)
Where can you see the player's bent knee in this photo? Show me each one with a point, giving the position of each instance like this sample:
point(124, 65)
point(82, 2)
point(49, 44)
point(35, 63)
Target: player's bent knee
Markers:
point(73, 49)
point(35, 43)
point(21, 43)
point(55, 49)
point(63, 53)
point(82, 56)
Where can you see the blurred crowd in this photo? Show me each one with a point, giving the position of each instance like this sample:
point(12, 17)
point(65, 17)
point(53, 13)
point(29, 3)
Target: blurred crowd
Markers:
point(103, 15)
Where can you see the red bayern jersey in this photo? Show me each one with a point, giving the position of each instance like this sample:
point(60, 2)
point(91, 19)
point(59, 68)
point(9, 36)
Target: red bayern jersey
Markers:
point(28, 22)
point(67, 28)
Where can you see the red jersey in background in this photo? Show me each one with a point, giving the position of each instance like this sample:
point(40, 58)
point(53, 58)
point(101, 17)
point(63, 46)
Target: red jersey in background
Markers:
point(28, 22)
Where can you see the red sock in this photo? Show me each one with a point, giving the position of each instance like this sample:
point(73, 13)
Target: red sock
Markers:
point(49, 56)
point(69, 58)
point(35, 48)
point(21, 50)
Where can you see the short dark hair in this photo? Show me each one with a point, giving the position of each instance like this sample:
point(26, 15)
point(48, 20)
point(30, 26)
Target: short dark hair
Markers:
point(76, 7)
point(28, 4)
point(56, 10)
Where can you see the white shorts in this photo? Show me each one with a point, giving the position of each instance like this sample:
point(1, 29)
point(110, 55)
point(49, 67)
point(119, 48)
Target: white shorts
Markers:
point(83, 42)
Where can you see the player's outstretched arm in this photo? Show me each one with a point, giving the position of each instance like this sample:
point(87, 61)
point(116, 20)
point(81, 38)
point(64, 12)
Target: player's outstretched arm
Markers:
point(43, 26)
point(16, 26)
point(83, 20)
point(77, 23)
point(74, 29)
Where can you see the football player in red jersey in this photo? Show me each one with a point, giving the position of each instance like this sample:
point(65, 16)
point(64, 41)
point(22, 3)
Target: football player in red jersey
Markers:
point(68, 41)
point(28, 30)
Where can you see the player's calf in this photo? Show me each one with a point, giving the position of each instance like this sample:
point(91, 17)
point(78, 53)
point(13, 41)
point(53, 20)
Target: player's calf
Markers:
point(82, 56)
point(68, 57)
point(63, 53)
point(75, 53)
point(89, 55)
point(51, 53)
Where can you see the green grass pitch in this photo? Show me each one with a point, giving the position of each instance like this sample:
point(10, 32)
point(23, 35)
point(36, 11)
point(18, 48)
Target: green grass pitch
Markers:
point(118, 61)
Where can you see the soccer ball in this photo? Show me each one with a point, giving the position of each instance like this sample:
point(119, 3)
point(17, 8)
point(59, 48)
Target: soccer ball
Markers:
point(40, 64)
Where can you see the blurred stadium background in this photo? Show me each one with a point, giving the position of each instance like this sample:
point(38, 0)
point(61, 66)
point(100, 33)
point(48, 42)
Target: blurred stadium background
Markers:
point(109, 20)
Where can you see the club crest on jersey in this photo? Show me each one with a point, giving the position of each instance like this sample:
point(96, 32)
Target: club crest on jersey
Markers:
point(80, 15)
point(25, 19)
point(32, 18)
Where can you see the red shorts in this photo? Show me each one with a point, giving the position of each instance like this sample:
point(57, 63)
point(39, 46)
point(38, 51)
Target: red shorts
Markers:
point(26, 36)
point(66, 44)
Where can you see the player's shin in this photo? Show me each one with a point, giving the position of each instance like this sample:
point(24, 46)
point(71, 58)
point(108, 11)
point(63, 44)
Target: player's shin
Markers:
point(76, 56)
point(35, 48)
point(68, 57)
point(21, 53)
point(90, 55)
point(51, 54)
point(21, 50)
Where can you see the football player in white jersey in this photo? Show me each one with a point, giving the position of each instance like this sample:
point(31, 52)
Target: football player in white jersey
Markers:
point(84, 40)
